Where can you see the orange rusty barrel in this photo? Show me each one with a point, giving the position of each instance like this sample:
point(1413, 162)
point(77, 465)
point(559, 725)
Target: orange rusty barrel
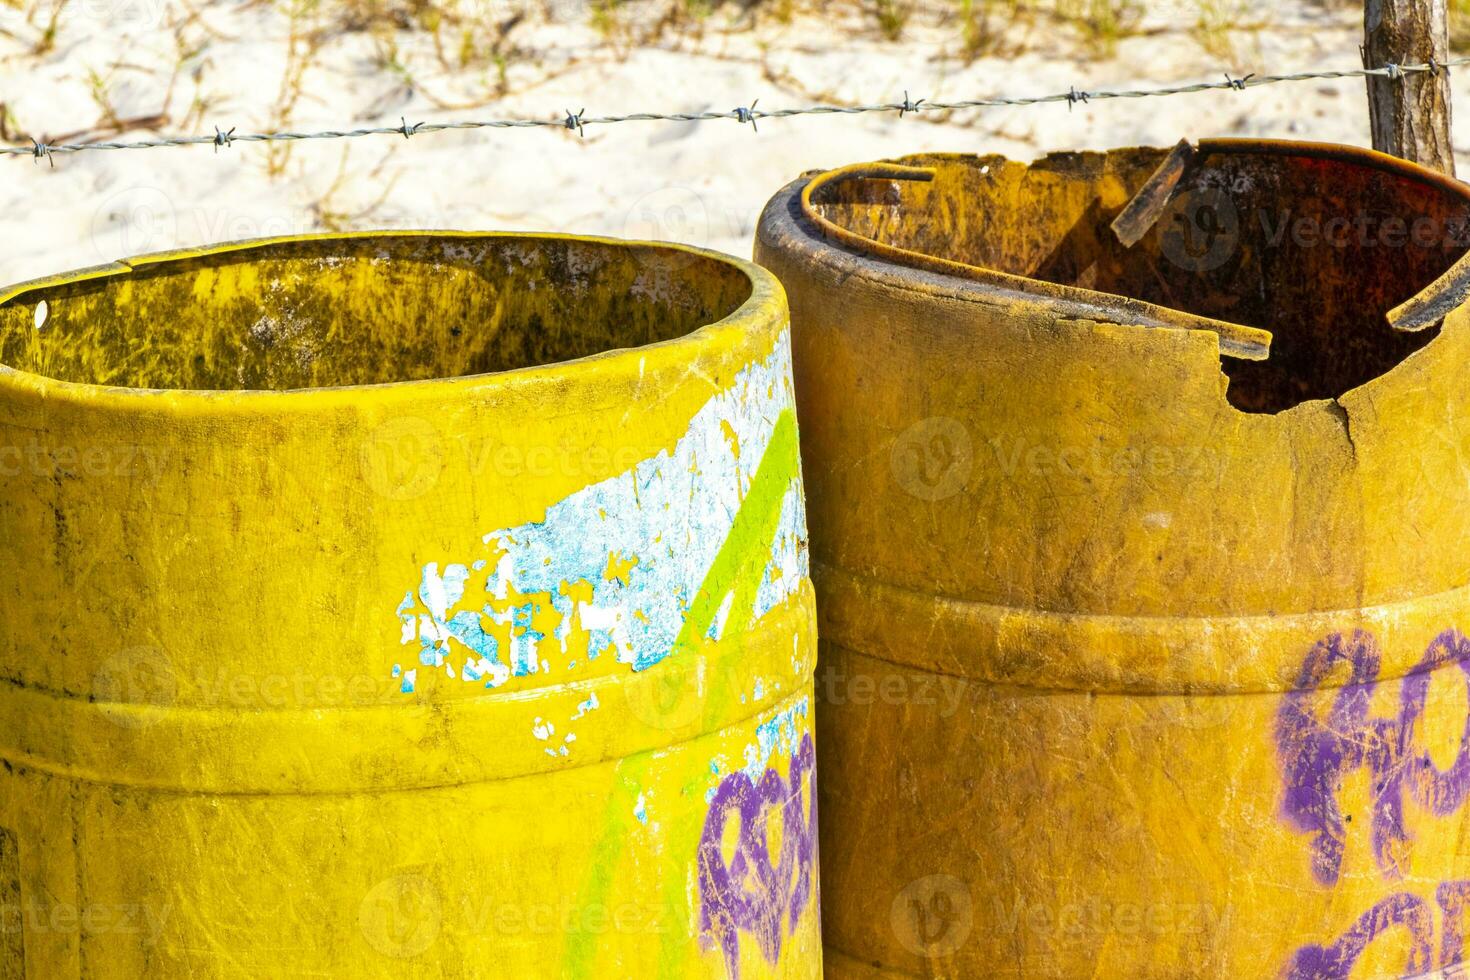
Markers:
point(1139, 503)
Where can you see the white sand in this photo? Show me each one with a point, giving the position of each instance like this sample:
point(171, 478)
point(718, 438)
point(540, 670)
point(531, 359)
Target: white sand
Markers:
point(703, 183)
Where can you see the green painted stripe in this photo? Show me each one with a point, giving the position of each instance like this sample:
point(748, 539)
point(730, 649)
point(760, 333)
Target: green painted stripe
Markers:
point(742, 560)
point(738, 567)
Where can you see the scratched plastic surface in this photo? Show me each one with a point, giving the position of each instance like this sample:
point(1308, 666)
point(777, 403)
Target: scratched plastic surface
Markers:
point(414, 605)
point(1141, 575)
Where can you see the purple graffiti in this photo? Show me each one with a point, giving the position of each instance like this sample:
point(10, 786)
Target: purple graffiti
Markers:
point(1336, 962)
point(1452, 897)
point(1317, 753)
point(751, 894)
point(1441, 793)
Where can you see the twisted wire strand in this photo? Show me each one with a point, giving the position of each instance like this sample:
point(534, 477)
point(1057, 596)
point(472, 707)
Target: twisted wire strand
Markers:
point(577, 121)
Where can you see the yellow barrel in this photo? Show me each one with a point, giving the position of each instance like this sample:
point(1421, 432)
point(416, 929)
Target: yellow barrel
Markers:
point(1139, 522)
point(405, 605)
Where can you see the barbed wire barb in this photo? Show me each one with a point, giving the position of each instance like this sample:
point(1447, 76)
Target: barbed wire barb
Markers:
point(576, 121)
point(747, 114)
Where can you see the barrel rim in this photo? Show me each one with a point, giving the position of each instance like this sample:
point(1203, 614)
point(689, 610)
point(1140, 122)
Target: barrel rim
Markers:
point(892, 267)
point(762, 310)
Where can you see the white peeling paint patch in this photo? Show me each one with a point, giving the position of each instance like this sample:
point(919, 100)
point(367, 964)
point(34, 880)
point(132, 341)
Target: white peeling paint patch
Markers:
point(426, 617)
point(717, 627)
point(779, 734)
point(543, 729)
point(789, 560)
point(586, 706)
point(718, 768)
point(616, 565)
point(640, 809)
point(671, 513)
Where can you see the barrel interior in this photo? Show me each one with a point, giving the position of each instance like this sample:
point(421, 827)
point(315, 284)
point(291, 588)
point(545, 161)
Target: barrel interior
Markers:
point(1313, 246)
point(354, 311)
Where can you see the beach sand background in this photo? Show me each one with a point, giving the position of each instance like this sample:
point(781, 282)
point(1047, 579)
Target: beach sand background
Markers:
point(103, 69)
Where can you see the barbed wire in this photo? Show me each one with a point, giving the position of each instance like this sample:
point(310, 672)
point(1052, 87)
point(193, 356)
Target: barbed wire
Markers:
point(579, 120)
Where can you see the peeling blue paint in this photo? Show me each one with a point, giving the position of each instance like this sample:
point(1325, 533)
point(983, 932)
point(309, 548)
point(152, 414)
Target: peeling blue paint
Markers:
point(639, 544)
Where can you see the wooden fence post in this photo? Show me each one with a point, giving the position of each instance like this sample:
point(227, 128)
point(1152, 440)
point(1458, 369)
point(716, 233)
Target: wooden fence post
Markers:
point(1410, 114)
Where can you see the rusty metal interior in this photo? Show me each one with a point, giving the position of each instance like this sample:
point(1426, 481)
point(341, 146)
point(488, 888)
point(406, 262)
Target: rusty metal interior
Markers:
point(1314, 245)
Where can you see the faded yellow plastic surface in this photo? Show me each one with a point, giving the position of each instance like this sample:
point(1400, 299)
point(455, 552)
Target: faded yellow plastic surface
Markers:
point(1137, 660)
point(506, 674)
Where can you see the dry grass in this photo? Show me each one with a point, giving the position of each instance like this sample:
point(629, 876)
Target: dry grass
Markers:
point(461, 55)
point(303, 45)
point(1220, 22)
point(329, 215)
point(41, 23)
point(1101, 24)
point(468, 35)
point(1459, 18)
